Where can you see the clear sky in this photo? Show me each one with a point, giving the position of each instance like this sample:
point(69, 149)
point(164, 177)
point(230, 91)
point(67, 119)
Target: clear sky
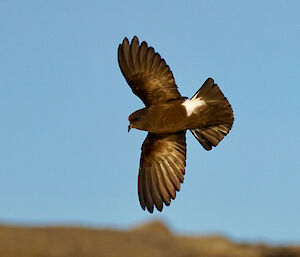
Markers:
point(66, 155)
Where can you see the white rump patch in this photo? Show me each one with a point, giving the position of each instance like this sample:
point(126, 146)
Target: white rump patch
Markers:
point(192, 105)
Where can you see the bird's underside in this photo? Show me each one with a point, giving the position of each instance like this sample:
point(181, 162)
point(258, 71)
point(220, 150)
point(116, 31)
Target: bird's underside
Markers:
point(167, 116)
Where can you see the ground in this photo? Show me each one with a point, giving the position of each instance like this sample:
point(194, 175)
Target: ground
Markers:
point(153, 239)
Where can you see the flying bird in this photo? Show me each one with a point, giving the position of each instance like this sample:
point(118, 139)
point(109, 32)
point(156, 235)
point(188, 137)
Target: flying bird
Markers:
point(166, 117)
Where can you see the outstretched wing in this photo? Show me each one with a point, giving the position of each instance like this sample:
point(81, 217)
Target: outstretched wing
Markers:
point(148, 75)
point(162, 169)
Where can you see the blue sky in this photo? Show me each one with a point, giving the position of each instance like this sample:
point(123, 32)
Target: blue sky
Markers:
point(66, 155)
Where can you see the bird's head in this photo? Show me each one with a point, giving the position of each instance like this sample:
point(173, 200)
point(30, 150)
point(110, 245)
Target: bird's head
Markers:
point(138, 120)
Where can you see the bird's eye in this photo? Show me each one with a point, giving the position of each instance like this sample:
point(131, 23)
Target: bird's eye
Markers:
point(135, 119)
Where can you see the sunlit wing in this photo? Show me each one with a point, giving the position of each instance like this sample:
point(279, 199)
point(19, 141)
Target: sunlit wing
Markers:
point(162, 169)
point(148, 75)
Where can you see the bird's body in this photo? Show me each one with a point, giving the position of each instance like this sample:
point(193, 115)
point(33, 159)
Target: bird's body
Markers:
point(166, 116)
point(174, 116)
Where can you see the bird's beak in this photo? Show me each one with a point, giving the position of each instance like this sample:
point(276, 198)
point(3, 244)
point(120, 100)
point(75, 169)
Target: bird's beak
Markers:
point(129, 127)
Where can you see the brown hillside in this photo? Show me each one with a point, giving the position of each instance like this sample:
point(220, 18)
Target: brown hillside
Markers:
point(150, 240)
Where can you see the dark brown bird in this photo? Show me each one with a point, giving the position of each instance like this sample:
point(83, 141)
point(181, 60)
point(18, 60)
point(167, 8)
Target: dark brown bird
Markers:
point(166, 117)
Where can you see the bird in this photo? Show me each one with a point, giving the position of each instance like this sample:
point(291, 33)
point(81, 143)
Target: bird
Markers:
point(166, 117)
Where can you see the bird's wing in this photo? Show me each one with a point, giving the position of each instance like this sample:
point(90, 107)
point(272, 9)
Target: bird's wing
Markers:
point(162, 169)
point(148, 75)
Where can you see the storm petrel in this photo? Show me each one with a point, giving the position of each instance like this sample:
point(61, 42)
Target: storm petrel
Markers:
point(167, 116)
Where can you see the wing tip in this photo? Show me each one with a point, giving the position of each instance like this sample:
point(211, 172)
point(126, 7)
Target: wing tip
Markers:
point(125, 41)
point(209, 80)
point(135, 39)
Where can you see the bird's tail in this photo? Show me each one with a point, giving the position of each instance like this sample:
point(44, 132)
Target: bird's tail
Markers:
point(217, 117)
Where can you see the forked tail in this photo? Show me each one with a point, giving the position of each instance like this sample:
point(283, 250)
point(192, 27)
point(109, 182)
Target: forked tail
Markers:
point(218, 117)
